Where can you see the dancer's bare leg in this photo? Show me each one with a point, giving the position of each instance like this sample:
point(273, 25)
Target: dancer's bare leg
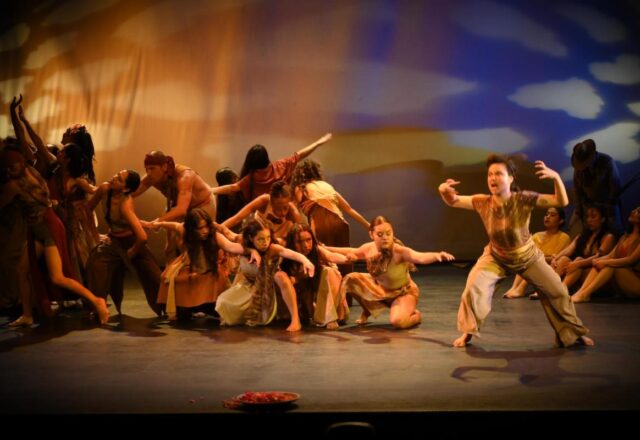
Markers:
point(26, 318)
point(595, 279)
point(289, 296)
point(54, 265)
point(404, 313)
point(627, 282)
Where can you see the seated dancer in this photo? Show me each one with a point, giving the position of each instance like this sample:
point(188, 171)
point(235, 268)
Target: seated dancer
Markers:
point(251, 300)
point(184, 189)
point(125, 246)
point(258, 173)
point(597, 239)
point(318, 296)
point(27, 186)
point(388, 283)
point(622, 265)
point(550, 241)
point(274, 211)
point(505, 214)
point(196, 277)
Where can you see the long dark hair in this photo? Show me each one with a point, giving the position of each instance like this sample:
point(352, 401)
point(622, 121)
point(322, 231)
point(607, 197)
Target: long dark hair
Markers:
point(292, 267)
point(586, 233)
point(257, 158)
point(79, 135)
point(78, 163)
point(193, 243)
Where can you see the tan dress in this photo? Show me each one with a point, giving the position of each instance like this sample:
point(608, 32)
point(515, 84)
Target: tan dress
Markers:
point(251, 300)
point(204, 288)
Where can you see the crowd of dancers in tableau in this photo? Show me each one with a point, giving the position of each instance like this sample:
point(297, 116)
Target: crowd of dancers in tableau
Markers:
point(273, 244)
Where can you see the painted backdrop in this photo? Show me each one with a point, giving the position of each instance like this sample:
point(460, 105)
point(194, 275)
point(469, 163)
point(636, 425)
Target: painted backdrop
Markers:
point(414, 91)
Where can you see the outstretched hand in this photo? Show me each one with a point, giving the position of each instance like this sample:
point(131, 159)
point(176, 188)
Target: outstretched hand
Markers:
point(447, 187)
point(444, 256)
point(543, 171)
point(326, 138)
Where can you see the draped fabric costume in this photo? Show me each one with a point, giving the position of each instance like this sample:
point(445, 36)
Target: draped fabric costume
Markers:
point(320, 204)
point(367, 288)
point(251, 300)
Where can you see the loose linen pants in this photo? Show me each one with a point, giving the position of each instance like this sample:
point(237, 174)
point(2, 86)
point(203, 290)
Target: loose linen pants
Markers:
point(476, 299)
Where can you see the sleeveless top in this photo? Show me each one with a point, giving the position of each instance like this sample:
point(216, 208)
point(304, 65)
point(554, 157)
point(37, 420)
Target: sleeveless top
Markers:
point(117, 223)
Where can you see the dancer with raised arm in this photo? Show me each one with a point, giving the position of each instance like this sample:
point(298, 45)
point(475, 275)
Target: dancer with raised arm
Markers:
point(505, 214)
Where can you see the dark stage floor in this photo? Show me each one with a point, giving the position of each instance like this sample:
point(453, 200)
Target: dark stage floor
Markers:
point(137, 366)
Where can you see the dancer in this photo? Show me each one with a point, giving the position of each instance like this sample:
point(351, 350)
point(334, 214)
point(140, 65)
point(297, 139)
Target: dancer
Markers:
point(505, 214)
point(251, 300)
point(228, 205)
point(184, 189)
point(595, 181)
point(259, 173)
point(324, 207)
point(196, 278)
point(388, 283)
point(550, 241)
point(621, 265)
point(319, 296)
point(125, 247)
point(274, 211)
point(597, 239)
point(27, 186)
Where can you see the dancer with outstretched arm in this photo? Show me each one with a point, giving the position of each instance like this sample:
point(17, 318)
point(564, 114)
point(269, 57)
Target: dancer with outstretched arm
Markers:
point(505, 214)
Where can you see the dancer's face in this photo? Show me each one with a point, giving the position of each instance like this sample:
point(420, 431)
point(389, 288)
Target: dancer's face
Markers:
point(498, 179)
point(304, 243)
point(117, 182)
point(382, 236)
point(552, 220)
point(203, 230)
point(155, 173)
point(634, 216)
point(262, 240)
point(594, 219)
point(280, 206)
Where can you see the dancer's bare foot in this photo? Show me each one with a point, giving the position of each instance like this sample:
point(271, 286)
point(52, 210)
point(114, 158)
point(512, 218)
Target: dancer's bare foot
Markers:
point(462, 341)
point(295, 326)
point(579, 297)
point(102, 310)
point(333, 325)
point(363, 317)
point(23, 321)
point(585, 340)
point(513, 293)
